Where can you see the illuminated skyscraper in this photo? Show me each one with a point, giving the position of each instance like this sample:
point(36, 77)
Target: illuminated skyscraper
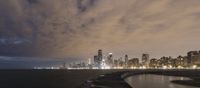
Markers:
point(100, 56)
point(110, 60)
point(145, 59)
point(95, 60)
point(98, 59)
point(89, 61)
point(126, 61)
point(120, 62)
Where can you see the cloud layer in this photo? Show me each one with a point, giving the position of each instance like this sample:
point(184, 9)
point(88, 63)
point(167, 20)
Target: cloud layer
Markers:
point(77, 28)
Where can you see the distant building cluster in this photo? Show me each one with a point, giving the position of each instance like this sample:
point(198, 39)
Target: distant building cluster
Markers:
point(100, 61)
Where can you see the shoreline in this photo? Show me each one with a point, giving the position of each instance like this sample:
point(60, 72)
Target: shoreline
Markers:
point(120, 77)
point(192, 74)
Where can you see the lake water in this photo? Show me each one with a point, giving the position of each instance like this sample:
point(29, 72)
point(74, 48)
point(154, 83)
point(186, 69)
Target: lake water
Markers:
point(155, 81)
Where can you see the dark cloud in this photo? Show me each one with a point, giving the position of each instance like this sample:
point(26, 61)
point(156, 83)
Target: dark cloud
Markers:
point(84, 5)
point(32, 1)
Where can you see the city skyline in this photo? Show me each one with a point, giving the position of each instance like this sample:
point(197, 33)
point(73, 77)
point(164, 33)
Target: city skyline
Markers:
point(109, 61)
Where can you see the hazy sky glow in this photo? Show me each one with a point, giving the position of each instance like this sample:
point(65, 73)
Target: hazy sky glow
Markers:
point(78, 28)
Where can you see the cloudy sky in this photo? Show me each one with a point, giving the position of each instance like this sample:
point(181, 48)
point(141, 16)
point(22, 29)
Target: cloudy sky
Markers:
point(78, 28)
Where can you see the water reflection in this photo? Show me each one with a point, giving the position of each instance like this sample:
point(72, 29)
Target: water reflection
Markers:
point(155, 81)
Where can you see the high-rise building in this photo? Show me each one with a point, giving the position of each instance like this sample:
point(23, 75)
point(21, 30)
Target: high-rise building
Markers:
point(100, 56)
point(153, 63)
point(126, 61)
point(190, 55)
point(116, 63)
point(194, 57)
point(180, 61)
point(89, 61)
point(185, 61)
point(120, 62)
point(133, 62)
point(98, 59)
point(165, 61)
point(145, 59)
point(110, 60)
point(95, 60)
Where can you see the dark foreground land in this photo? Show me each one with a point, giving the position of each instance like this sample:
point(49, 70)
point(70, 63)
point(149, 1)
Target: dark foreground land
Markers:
point(85, 78)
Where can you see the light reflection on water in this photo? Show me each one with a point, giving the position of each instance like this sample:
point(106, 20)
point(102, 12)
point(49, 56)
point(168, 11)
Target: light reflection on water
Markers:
point(155, 81)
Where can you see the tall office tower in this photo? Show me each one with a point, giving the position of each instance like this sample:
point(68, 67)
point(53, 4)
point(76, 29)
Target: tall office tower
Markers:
point(95, 60)
point(110, 60)
point(126, 61)
point(100, 55)
point(145, 59)
point(98, 59)
point(89, 61)
point(120, 62)
point(89, 65)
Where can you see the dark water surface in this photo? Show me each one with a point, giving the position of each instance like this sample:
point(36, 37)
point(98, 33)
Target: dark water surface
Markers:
point(155, 81)
point(46, 78)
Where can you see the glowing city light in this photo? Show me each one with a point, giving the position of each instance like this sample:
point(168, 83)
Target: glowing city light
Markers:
point(107, 61)
point(194, 66)
point(180, 67)
point(164, 67)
